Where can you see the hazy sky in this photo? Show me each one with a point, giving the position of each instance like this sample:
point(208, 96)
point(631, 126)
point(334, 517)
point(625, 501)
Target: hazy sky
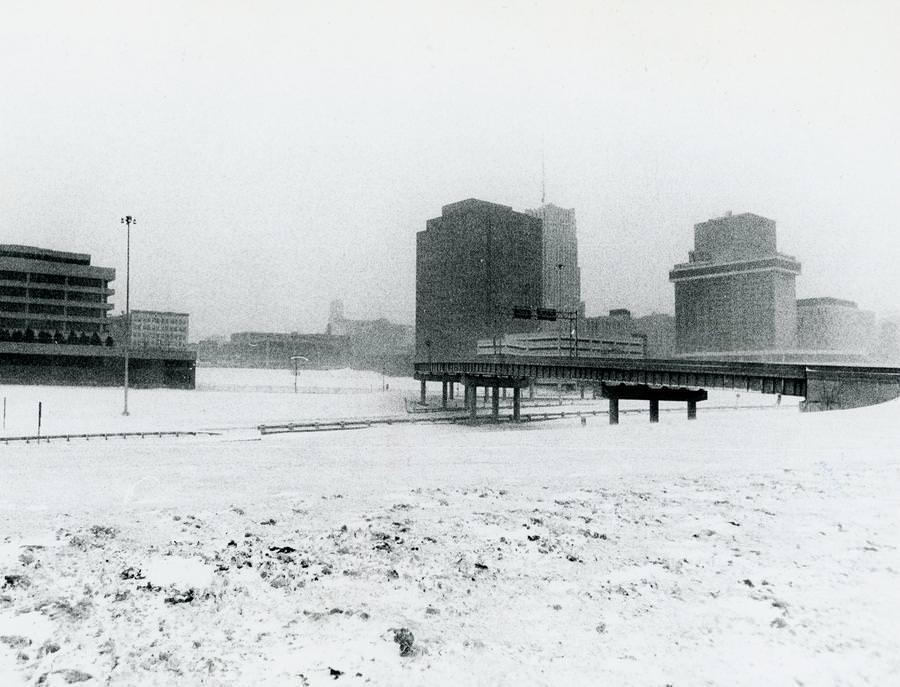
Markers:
point(279, 155)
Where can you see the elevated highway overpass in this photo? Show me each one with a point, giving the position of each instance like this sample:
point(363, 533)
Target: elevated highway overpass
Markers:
point(823, 387)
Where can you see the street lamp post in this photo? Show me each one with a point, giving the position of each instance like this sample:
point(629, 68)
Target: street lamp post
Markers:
point(559, 268)
point(296, 360)
point(127, 220)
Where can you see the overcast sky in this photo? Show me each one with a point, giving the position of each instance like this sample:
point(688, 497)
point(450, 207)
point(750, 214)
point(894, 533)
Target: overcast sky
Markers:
point(279, 155)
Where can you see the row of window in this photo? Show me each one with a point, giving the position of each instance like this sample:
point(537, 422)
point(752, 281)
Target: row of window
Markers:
point(21, 292)
point(76, 325)
point(45, 309)
point(38, 278)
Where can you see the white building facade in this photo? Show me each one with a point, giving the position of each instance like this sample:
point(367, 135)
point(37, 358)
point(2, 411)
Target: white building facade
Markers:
point(160, 330)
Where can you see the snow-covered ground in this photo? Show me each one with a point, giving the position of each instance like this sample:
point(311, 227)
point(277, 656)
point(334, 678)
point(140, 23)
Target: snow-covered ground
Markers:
point(750, 546)
point(228, 399)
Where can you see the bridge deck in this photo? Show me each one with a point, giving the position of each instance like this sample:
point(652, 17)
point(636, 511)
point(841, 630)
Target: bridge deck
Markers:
point(774, 378)
point(823, 386)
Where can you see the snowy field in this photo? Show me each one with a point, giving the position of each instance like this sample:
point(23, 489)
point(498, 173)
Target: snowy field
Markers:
point(234, 399)
point(751, 546)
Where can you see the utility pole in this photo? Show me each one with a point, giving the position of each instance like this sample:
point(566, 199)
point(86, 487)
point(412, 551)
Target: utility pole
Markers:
point(127, 220)
point(559, 268)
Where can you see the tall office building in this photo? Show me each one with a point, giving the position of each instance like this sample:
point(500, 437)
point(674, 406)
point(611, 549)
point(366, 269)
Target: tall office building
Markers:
point(474, 264)
point(736, 293)
point(561, 275)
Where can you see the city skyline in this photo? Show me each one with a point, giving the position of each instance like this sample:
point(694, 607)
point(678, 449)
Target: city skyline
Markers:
point(282, 157)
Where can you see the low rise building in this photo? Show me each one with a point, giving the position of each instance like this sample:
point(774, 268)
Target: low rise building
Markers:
point(153, 329)
point(836, 326)
point(276, 350)
point(548, 344)
point(888, 351)
point(374, 344)
point(659, 331)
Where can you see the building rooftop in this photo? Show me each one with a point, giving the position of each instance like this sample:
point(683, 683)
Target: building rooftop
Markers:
point(463, 205)
point(8, 250)
point(159, 312)
point(731, 215)
point(826, 300)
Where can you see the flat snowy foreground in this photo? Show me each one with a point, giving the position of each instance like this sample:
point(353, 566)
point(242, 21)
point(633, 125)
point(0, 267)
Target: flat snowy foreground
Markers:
point(749, 547)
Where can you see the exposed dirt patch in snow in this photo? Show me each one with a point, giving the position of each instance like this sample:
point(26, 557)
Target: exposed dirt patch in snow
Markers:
point(518, 587)
point(741, 549)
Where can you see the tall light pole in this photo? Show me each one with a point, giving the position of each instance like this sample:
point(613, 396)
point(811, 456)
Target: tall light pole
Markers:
point(127, 220)
point(559, 269)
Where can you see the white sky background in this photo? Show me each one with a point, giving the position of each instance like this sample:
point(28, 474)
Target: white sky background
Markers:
point(279, 155)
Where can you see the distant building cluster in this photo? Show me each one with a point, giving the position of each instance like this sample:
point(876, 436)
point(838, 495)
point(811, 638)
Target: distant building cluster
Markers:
point(735, 299)
point(656, 332)
point(378, 345)
point(275, 350)
point(374, 344)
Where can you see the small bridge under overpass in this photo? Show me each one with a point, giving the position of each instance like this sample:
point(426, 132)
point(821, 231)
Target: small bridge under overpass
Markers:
point(823, 387)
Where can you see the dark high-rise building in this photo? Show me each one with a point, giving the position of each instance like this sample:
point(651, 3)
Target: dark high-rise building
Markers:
point(561, 273)
point(736, 294)
point(474, 263)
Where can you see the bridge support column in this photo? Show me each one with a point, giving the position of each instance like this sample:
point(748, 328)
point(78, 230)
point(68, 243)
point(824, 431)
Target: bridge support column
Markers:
point(692, 410)
point(517, 402)
point(582, 391)
point(531, 390)
point(487, 391)
point(444, 395)
point(613, 411)
point(654, 410)
point(495, 402)
point(473, 402)
point(450, 395)
point(422, 393)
